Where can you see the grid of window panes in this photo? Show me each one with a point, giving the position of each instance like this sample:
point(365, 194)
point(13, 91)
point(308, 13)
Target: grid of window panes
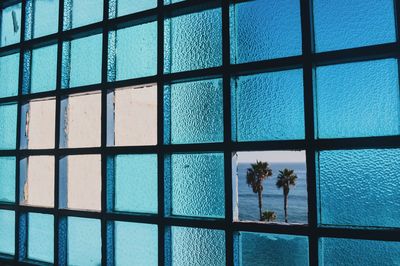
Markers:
point(119, 120)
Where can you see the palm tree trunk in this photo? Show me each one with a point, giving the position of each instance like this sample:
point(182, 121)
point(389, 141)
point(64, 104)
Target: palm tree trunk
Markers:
point(260, 204)
point(285, 206)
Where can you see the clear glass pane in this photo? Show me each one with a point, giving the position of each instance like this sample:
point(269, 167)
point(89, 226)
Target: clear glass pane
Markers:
point(136, 183)
point(79, 13)
point(8, 126)
point(260, 249)
point(343, 24)
point(358, 99)
point(119, 8)
point(9, 69)
point(7, 232)
point(197, 246)
point(354, 252)
point(41, 237)
point(193, 41)
point(265, 29)
point(7, 179)
point(193, 112)
point(136, 244)
point(84, 241)
point(198, 185)
point(44, 69)
point(11, 25)
point(45, 17)
point(357, 186)
point(268, 106)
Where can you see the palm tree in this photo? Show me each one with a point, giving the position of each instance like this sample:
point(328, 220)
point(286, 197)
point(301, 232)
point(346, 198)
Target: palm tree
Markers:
point(286, 178)
point(255, 177)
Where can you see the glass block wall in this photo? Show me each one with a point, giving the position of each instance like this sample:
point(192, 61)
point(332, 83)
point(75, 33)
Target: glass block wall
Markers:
point(120, 121)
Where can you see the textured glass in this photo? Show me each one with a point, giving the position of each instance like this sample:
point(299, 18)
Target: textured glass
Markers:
point(345, 24)
point(44, 69)
point(136, 183)
point(7, 179)
point(82, 61)
point(265, 29)
point(136, 244)
point(193, 41)
point(198, 184)
point(166, 2)
point(84, 241)
point(7, 232)
point(354, 252)
point(8, 126)
point(357, 186)
point(197, 246)
point(358, 99)
point(135, 52)
point(194, 112)
point(45, 17)
point(11, 25)
point(272, 248)
point(269, 106)
point(79, 13)
point(41, 237)
point(124, 7)
point(9, 69)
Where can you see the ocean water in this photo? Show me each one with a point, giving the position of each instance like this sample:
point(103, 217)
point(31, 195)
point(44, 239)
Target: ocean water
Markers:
point(272, 196)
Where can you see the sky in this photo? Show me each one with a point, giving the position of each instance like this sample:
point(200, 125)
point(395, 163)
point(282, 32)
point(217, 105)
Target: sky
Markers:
point(272, 156)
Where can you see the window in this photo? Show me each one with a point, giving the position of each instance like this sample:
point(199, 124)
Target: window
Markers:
point(230, 132)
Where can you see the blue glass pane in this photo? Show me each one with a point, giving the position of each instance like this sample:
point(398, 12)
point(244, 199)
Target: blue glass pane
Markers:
point(136, 51)
point(9, 69)
point(166, 2)
point(82, 61)
point(269, 106)
point(7, 179)
point(136, 244)
point(41, 237)
point(8, 126)
point(265, 29)
point(352, 252)
point(196, 246)
point(345, 24)
point(124, 7)
point(79, 13)
point(45, 17)
point(194, 112)
point(198, 184)
point(11, 25)
point(260, 249)
point(357, 186)
point(44, 69)
point(136, 183)
point(193, 41)
point(358, 99)
point(84, 241)
point(7, 232)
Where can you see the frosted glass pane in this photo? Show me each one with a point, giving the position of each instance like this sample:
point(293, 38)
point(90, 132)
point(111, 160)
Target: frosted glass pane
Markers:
point(84, 241)
point(9, 69)
point(357, 186)
point(193, 41)
point(194, 112)
point(135, 51)
point(124, 7)
point(8, 126)
point(7, 232)
point(41, 237)
point(136, 244)
point(82, 61)
point(79, 13)
point(358, 99)
point(134, 118)
point(136, 183)
point(258, 249)
point(196, 246)
point(269, 106)
point(352, 252)
point(45, 17)
point(11, 25)
point(7, 179)
point(198, 184)
point(44, 69)
point(265, 29)
point(345, 24)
